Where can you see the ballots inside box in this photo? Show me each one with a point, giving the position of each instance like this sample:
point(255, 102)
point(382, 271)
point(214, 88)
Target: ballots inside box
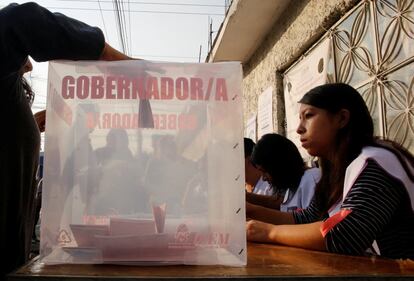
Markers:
point(84, 234)
point(122, 226)
point(159, 212)
point(151, 247)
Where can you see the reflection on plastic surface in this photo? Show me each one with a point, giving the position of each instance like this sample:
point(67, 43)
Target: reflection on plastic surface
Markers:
point(120, 191)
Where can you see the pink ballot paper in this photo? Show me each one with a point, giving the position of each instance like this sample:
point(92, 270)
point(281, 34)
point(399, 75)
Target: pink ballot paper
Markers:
point(85, 234)
point(158, 211)
point(122, 226)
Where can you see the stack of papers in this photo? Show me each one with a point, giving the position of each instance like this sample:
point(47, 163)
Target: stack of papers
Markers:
point(128, 240)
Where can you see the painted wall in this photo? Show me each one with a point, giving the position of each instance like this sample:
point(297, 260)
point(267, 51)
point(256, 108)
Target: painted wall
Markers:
point(302, 25)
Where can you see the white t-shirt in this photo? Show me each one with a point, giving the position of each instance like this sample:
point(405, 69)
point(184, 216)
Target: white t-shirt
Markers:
point(304, 194)
point(262, 188)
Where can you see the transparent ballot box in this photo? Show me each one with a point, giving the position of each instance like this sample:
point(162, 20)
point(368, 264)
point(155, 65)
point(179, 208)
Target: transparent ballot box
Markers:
point(143, 164)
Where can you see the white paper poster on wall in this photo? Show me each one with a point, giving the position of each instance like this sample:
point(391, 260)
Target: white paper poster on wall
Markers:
point(250, 131)
point(265, 113)
point(307, 74)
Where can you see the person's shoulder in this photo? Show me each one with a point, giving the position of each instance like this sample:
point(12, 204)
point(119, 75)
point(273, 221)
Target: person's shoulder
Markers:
point(312, 174)
point(14, 13)
point(309, 180)
point(261, 185)
point(380, 154)
point(387, 159)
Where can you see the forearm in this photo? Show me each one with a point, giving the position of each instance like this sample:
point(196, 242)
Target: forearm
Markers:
point(272, 202)
point(307, 236)
point(268, 215)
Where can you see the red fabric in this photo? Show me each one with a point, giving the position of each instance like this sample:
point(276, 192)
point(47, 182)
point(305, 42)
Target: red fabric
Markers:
point(334, 220)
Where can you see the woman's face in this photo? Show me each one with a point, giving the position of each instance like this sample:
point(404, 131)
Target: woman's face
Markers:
point(318, 129)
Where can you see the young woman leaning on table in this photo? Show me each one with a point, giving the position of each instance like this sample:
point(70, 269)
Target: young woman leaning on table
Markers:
point(364, 200)
point(282, 167)
point(31, 30)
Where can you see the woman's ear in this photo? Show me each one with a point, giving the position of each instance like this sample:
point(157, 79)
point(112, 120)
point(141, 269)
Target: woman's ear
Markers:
point(343, 117)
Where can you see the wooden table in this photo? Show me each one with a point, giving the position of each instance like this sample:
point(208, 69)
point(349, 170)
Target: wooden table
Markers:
point(264, 262)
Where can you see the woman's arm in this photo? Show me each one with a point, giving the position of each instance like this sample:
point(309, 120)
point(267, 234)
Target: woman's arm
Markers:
point(268, 215)
point(272, 202)
point(369, 211)
point(29, 29)
point(307, 236)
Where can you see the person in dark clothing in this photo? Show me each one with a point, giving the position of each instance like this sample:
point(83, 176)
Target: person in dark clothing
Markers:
point(117, 147)
point(31, 30)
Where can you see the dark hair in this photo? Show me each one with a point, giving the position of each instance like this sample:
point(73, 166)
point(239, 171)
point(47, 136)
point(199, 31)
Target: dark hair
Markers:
point(248, 147)
point(350, 140)
point(27, 90)
point(21, 87)
point(279, 157)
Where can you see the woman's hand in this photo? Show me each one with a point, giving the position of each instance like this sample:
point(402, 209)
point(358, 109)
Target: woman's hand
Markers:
point(111, 54)
point(258, 231)
point(40, 118)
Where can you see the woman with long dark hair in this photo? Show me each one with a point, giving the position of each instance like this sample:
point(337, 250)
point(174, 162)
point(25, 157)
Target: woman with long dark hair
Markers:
point(281, 165)
point(30, 29)
point(364, 200)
